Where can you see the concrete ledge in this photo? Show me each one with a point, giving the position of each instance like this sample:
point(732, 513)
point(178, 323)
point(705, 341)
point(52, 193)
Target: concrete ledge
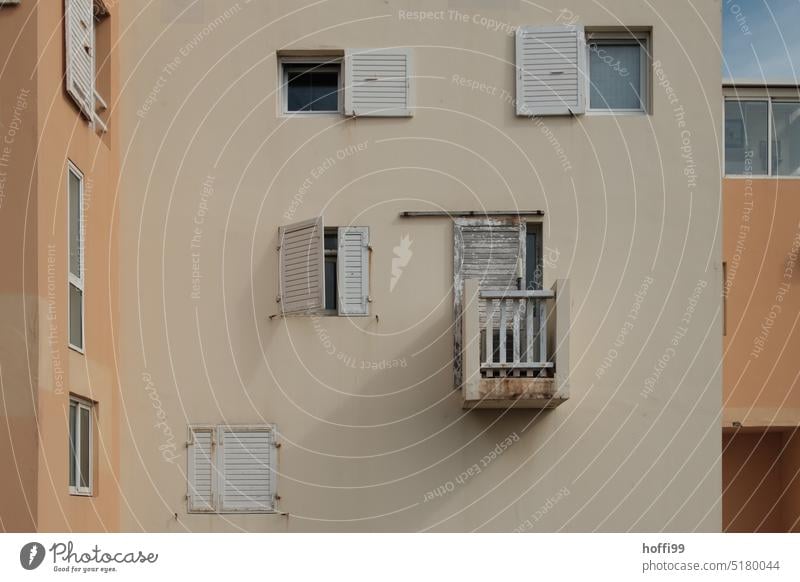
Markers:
point(515, 392)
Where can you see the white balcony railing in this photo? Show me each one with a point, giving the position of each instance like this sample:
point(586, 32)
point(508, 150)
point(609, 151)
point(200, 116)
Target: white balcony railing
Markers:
point(515, 347)
point(514, 333)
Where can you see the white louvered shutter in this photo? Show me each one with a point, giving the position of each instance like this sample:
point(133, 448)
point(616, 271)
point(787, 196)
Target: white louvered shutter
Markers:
point(492, 252)
point(248, 468)
point(302, 267)
point(353, 270)
point(550, 70)
point(201, 473)
point(80, 52)
point(378, 83)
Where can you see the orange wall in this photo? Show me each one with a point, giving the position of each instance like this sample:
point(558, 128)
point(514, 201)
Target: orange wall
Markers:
point(18, 283)
point(66, 135)
point(39, 370)
point(761, 239)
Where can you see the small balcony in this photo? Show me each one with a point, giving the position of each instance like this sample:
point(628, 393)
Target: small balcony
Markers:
point(515, 350)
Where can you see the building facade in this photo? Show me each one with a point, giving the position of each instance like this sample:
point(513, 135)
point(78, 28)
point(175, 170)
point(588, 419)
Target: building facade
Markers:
point(761, 447)
point(420, 266)
point(58, 179)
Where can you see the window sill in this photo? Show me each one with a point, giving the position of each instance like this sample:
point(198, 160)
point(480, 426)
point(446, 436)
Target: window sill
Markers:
point(313, 114)
point(758, 177)
point(616, 113)
point(81, 351)
point(74, 493)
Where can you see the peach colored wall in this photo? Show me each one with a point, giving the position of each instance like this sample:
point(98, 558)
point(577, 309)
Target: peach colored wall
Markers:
point(761, 235)
point(67, 135)
point(39, 371)
point(18, 283)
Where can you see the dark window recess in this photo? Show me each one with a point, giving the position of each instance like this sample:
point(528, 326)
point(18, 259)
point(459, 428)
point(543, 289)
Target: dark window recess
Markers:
point(310, 90)
point(331, 251)
point(533, 258)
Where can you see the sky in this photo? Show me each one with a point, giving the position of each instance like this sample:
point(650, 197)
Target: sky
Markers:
point(761, 39)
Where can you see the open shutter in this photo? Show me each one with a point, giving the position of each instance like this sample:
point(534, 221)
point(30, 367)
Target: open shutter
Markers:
point(378, 82)
point(248, 461)
point(302, 267)
point(201, 473)
point(80, 50)
point(550, 70)
point(353, 270)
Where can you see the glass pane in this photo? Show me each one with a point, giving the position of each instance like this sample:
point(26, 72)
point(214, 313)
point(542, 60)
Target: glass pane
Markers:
point(533, 262)
point(746, 137)
point(786, 141)
point(313, 90)
point(73, 411)
point(331, 241)
point(616, 75)
point(74, 224)
point(330, 283)
point(86, 453)
point(75, 316)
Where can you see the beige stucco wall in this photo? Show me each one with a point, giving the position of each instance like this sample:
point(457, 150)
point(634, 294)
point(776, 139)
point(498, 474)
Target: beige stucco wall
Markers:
point(39, 370)
point(637, 446)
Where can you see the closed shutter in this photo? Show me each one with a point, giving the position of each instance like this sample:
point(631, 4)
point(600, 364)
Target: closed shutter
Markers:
point(302, 267)
point(201, 473)
point(79, 34)
point(491, 251)
point(550, 70)
point(353, 270)
point(378, 82)
point(248, 467)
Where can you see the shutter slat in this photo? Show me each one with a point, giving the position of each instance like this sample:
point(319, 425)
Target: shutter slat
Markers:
point(542, 51)
point(248, 461)
point(379, 82)
point(353, 270)
point(302, 276)
point(79, 53)
point(201, 470)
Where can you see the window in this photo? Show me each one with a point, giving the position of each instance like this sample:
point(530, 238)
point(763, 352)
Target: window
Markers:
point(324, 270)
point(312, 86)
point(746, 137)
point(362, 82)
point(232, 469)
point(76, 233)
point(786, 139)
point(81, 446)
point(331, 253)
point(618, 71)
point(762, 137)
point(533, 256)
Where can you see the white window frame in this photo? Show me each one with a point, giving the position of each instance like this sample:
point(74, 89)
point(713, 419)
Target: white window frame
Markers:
point(316, 63)
point(217, 467)
point(73, 280)
point(642, 39)
point(770, 125)
point(83, 404)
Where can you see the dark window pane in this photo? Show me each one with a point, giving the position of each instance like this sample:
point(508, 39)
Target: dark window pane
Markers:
point(85, 449)
point(746, 137)
point(330, 283)
point(75, 316)
point(533, 261)
point(73, 411)
point(74, 224)
point(313, 90)
point(331, 241)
